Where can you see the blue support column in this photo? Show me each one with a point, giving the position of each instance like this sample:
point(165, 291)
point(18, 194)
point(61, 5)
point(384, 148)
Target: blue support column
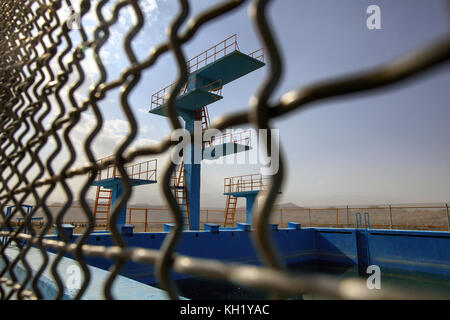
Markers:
point(117, 190)
point(192, 168)
point(250, 202)
point(193, 186)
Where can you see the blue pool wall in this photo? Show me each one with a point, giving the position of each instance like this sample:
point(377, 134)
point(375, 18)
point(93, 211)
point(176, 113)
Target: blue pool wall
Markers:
point(415, 252)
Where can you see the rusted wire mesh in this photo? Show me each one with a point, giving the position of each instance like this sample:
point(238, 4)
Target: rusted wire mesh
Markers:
point(39, 58)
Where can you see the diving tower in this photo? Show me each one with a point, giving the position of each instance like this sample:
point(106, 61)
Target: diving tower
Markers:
point(27, 211)
point(208, 73)
point(110, 188)
point(246, 186)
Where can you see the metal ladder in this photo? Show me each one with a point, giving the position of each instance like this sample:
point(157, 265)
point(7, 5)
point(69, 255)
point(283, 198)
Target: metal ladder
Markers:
point(203, 116)
point(181, 194)
point(230, 211)
point(101, 207)
point(230, 208)
point(366, 220)
point(362, 243)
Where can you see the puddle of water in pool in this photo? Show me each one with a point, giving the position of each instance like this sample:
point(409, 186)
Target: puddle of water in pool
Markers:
point(201, 289)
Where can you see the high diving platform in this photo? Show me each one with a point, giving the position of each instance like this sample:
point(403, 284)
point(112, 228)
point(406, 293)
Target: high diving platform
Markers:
point(208, 73)
point(110, 187)
point(245, 186)
point(139, 174)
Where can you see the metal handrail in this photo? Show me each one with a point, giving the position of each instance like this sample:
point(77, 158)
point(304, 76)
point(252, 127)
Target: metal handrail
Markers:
point(214, 55)
point(145, 170)
point(162, 96)
point(258, 54)
point(367, 220)
point(250, 182)
point(358, 220)
point(242, 137)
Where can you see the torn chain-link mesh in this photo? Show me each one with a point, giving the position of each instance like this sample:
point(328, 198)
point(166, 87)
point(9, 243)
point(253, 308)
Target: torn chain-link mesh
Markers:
point(38, 60)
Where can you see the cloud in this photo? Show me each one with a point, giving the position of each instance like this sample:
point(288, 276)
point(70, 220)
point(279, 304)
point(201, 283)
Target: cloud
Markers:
point(117, 125)
point(113, 133)
point(149, 6)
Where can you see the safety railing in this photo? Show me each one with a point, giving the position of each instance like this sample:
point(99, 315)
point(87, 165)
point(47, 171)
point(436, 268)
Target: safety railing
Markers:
point(403, 217)
point(240, 137)
point(148, 219)
point(162, 96)
point(145, 170)
point(258, 54)
point(250, 182)
point(143, 210)
point(159, 98)
point(426, 217)
point(210, 55)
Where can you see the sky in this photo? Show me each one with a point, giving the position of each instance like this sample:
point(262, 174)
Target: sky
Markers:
point(380, 148)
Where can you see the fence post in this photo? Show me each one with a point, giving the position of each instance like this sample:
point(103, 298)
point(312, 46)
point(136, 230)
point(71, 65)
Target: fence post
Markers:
point(145, 226)
point(207, 216)
point(337, 220)
point(309, 211)
point(390, 217)
point(448, 217)
point(281, 217)
point(348, 223)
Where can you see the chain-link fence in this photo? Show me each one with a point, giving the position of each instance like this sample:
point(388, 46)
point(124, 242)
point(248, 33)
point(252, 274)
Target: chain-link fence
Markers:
point(41, 62)
point(403, 217)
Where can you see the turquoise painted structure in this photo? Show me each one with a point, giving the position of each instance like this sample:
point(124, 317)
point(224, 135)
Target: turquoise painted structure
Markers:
point(115, 184)
point(250, 198)
point(28, 209)
point(225, 69)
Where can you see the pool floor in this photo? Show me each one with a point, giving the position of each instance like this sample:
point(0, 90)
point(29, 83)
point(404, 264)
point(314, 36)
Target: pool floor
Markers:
point(203, 289)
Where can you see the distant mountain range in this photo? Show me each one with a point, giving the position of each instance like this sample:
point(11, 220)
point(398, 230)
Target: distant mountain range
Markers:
point(91, 203)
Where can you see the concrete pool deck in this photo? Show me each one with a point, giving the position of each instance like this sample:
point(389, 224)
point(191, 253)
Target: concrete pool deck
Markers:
point(123, 287)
